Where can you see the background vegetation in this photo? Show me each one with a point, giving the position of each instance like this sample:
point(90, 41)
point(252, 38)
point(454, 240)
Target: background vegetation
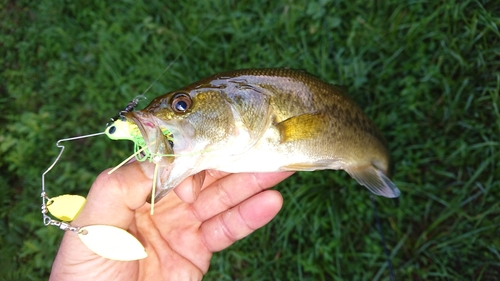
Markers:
point(427, 72)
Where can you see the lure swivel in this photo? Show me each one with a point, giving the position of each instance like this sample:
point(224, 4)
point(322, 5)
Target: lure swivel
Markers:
point(130, 106)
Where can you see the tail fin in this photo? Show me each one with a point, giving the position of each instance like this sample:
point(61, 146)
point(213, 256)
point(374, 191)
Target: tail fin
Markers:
point(375, 180)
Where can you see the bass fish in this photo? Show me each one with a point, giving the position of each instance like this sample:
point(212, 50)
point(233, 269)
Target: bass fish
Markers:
point(261, 120)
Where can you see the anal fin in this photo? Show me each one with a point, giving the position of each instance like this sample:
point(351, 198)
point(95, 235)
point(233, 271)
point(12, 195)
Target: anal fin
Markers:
point(309, 166)
point(375, 180)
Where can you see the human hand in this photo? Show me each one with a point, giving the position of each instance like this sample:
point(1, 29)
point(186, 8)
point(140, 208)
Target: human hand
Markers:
point(206, 213)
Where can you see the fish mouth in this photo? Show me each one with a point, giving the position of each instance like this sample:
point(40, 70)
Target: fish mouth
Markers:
point(157, 144)
point(158, 139)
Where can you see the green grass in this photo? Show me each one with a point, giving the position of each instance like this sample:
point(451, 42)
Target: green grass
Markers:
point(428, 73)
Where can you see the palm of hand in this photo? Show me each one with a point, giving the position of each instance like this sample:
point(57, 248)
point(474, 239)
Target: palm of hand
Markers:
point(207, 213)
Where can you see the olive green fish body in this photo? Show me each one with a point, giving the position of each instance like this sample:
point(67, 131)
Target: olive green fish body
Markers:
point(266, 120)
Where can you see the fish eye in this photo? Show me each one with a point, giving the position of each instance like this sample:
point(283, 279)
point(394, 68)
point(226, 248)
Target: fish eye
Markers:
point(181, 102)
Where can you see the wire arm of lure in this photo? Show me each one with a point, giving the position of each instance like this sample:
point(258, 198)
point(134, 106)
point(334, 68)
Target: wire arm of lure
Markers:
point(58, 144)
point(104, 240)
point(47, 220)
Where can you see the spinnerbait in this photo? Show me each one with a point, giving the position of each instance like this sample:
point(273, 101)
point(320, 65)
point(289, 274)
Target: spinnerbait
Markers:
point(105, 240)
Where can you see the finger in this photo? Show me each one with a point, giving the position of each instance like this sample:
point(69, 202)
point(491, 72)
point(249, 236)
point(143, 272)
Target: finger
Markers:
point(213, 176)
point(228, 227)
point(189, 188)
point(233, 189)
point(113, 198)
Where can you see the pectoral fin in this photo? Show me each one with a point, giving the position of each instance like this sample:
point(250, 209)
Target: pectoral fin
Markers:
point(375, 180)
point(304, 126)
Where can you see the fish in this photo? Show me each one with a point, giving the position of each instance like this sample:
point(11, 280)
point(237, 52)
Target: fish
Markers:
point(262, 120)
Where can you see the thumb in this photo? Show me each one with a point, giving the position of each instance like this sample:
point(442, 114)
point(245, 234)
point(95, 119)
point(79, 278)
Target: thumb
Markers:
point(113, 198)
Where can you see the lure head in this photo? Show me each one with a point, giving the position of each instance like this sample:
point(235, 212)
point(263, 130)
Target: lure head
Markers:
point(122, 129)
point(158, 149)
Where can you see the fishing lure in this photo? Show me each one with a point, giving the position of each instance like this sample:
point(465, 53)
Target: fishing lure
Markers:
point(107, 241)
